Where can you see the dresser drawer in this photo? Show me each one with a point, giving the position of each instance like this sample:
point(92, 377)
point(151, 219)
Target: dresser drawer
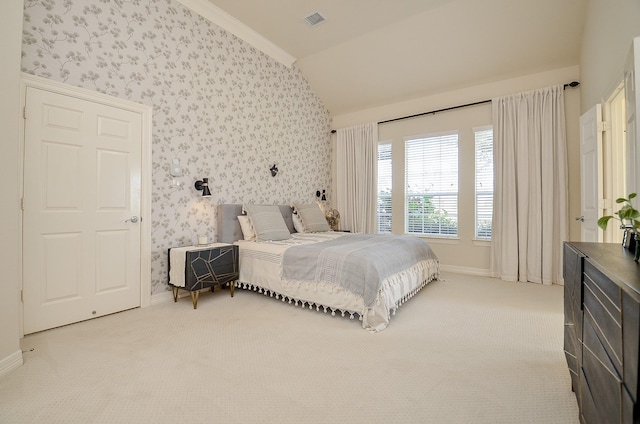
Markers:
point(207, 267)
point(606, 324)
point(572, 274)
point(602, 389)
point(607, 289)
point(574, 372)
point(599, 346)
point(572, 348)
point(631, 343)
point(589, 413)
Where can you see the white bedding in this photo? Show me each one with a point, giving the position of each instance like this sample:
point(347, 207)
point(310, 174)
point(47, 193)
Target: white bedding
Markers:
point(261, 270)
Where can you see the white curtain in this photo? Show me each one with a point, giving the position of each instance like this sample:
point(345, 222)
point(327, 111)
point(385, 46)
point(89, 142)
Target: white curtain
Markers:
point(530, 215)
point(357, 176)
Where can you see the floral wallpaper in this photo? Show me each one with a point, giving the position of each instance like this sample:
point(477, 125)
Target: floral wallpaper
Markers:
point(225, 110)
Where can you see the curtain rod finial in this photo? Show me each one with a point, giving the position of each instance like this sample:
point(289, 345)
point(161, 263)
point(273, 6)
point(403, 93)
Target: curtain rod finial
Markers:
point(572, 84)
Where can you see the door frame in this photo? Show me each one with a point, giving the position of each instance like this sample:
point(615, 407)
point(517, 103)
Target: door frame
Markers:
point(28, 80)
point(614, 147)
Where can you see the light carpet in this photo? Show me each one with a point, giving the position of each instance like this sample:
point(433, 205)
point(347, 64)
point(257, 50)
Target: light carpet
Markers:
point(464, 350)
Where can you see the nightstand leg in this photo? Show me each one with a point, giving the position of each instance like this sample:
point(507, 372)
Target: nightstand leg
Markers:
point(194, 298)
point(175, 294)
point(232, 285)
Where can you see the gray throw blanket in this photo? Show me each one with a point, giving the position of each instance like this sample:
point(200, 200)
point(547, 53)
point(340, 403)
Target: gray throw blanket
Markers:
point(358, 263)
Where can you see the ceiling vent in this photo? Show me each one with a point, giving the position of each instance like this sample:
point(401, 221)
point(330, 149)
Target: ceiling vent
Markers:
point(314, 19)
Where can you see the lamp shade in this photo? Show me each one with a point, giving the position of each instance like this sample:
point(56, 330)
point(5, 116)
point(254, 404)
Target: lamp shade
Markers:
point(203, 185)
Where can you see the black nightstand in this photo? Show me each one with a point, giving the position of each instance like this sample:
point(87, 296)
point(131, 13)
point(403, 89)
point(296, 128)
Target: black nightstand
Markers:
point(194, 268)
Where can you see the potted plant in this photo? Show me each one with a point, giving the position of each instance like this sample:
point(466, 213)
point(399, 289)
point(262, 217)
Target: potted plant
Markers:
point(628, 217)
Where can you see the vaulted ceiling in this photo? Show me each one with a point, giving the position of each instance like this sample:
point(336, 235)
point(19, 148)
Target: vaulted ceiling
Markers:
point(369, 53)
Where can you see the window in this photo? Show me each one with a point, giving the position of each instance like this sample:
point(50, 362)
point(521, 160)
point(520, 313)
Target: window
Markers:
point(484, 181)
point(384, 188)
point(431, 186)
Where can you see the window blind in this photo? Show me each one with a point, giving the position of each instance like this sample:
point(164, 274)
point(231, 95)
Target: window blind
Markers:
point(484, 182)
point(431, 186)
point(385, 181)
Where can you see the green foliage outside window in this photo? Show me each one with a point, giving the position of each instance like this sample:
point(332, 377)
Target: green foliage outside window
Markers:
point(423, 217)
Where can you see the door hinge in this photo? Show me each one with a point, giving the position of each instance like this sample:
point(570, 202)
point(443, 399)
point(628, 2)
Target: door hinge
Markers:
point(22, 296)
point(603, 126)
point(24, 112)
point(22, 204)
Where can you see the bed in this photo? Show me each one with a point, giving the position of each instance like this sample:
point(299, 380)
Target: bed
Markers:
point(304, 268)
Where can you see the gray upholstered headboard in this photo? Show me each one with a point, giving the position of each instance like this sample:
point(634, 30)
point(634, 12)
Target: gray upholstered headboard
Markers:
point(228, 227)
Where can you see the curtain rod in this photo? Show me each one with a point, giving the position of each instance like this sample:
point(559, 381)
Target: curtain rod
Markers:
point(433, 112)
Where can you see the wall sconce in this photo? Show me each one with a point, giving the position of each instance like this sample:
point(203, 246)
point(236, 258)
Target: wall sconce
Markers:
point(203, 185)
point(274, 170)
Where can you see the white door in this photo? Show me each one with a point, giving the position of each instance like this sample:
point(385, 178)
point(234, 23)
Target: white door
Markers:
point(82, 182)
point(591, 174)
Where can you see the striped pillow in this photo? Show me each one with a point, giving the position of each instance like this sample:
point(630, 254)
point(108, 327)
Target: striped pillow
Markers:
point(313, 219)
point(268, 222)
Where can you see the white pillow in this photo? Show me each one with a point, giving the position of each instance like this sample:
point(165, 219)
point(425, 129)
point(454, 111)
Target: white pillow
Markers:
point(247, 229)
point(297, 224)
point(312, 218)
point(267, 222)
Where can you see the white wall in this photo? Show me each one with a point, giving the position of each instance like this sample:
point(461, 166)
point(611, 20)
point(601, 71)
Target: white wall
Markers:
point(610, 26)
point(10, 43)
point(466, 255)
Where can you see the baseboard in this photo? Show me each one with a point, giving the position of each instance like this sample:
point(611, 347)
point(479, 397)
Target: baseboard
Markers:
point(11, 363)
point(465, 270)
point(163, 297)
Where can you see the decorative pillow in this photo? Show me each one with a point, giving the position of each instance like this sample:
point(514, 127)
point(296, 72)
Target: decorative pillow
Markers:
point(267, 222)
point(312, 218)
point(247, 229)
point(297, 224)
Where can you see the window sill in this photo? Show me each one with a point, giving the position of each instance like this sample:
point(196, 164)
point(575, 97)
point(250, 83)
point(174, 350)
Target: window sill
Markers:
point(437, 240)
point(482, 242)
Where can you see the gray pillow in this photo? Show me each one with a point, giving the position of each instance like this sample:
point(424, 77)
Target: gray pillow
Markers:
point(312, 218)
point(267, 222)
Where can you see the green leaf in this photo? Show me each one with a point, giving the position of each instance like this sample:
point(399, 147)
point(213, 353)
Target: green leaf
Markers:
point(625, 212)
point(602, 222)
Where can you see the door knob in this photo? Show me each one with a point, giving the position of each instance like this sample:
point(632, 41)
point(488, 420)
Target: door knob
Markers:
point(133, 219)
point(580, 218)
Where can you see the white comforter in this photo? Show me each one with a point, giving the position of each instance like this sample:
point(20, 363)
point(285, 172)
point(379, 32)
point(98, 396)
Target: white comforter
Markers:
point(261, 269)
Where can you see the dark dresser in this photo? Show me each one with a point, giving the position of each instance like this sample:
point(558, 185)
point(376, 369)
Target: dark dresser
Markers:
point(602, 330)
